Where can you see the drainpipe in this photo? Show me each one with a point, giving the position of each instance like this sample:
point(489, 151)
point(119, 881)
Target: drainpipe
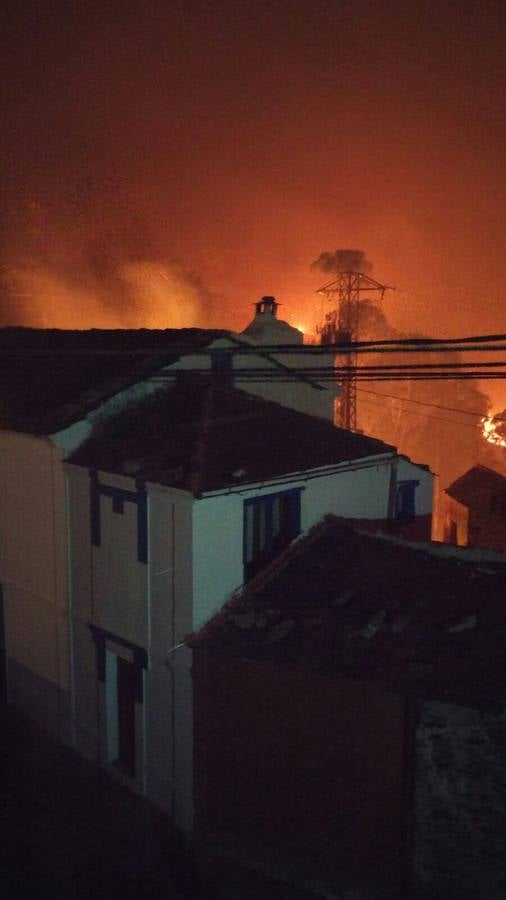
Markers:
point(56, 595)
point(392, 490)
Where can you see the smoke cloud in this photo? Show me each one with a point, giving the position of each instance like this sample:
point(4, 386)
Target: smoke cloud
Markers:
point(448, 439)
point(86, 257)
point(342, 261)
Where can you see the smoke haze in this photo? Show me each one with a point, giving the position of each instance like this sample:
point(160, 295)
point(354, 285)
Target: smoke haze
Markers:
point(239, 139)
point(87, 258)
point(408, 414)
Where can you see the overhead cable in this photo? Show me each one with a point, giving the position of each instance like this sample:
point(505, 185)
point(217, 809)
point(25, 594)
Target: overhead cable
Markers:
point(456, 409)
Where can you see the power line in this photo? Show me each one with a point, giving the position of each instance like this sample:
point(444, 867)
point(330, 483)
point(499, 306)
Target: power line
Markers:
point(356, 347)
point(316, 371)
point(456, 409)
point(337, 375)
point(479, 343)
point(428, 340)
point(414, 412)
point(333, 377)
point(402, 345)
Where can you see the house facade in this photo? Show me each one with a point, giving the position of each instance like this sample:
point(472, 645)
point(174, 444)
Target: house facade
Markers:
point(136, 502)
point(156, 553)
point(34, 579)
point(56, 387)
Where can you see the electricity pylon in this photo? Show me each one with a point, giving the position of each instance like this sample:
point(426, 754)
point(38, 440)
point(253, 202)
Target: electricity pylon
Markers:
point(341, 322)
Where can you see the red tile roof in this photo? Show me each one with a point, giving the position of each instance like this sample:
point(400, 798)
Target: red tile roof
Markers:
point(200, 437)
point(344, 602)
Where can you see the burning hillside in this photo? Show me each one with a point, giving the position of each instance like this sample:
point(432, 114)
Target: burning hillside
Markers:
point(494, 429)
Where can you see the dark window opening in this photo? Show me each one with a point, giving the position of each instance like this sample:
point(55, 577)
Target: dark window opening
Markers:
point(270, 523)
point(126, 716)
point(405, 499)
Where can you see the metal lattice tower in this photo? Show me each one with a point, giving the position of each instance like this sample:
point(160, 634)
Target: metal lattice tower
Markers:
point(341, 324)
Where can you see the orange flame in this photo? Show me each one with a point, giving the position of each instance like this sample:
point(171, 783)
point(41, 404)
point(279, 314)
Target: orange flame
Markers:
point(490, 433)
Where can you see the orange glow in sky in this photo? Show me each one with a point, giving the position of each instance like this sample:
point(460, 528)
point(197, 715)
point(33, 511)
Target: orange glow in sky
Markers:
point(227, 145)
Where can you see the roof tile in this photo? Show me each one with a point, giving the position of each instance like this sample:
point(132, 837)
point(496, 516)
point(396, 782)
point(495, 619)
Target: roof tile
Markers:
point(200, 437)
point(412, 620)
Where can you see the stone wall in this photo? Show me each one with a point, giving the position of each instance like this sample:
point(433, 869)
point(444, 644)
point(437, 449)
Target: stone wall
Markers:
point(460, 803)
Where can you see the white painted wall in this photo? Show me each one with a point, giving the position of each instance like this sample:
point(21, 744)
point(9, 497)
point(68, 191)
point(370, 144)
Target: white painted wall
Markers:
point(314, 399)
point(33, 575)
point(148, 605)
point(424, 494)
point(217, 551)
point(304, 396)
point(360, 491)
point(168, 685)
point(119, 580)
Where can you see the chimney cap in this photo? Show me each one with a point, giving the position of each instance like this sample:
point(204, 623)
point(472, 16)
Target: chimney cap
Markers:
point(266, 304)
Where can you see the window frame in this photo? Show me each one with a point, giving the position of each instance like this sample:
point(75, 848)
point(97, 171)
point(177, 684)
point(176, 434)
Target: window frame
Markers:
point(407, 489)
point(267, 503)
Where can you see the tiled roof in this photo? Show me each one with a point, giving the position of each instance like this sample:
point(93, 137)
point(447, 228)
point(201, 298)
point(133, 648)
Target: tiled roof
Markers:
point(345, 602)
point(475, 482)
point(52, 378)
point(200, 437)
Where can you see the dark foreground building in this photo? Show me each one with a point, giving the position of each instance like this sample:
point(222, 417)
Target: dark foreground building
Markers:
point(350, 717)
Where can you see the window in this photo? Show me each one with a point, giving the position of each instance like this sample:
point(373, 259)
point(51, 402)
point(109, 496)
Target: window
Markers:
point(405, 499)
point(270, 523)
point(119, 496)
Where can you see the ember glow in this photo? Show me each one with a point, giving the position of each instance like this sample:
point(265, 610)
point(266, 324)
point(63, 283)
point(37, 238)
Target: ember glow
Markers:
point(231, 142)
point(490, 432)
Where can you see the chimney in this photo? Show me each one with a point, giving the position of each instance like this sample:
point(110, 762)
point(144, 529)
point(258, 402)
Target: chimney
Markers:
point(266, 306)
point(266, 328)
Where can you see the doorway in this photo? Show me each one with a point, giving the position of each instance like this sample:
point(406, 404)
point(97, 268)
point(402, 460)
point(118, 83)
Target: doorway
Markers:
point(120, 703)
point(126, 716)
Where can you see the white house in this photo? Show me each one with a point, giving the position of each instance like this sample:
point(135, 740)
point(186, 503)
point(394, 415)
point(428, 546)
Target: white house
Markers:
point(174, 504)
point(139, 492)
point(55, 387)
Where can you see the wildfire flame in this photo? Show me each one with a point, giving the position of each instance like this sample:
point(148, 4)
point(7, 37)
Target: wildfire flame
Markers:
point(490, 432)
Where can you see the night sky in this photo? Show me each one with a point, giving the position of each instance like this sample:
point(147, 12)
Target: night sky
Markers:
point(211, 151)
